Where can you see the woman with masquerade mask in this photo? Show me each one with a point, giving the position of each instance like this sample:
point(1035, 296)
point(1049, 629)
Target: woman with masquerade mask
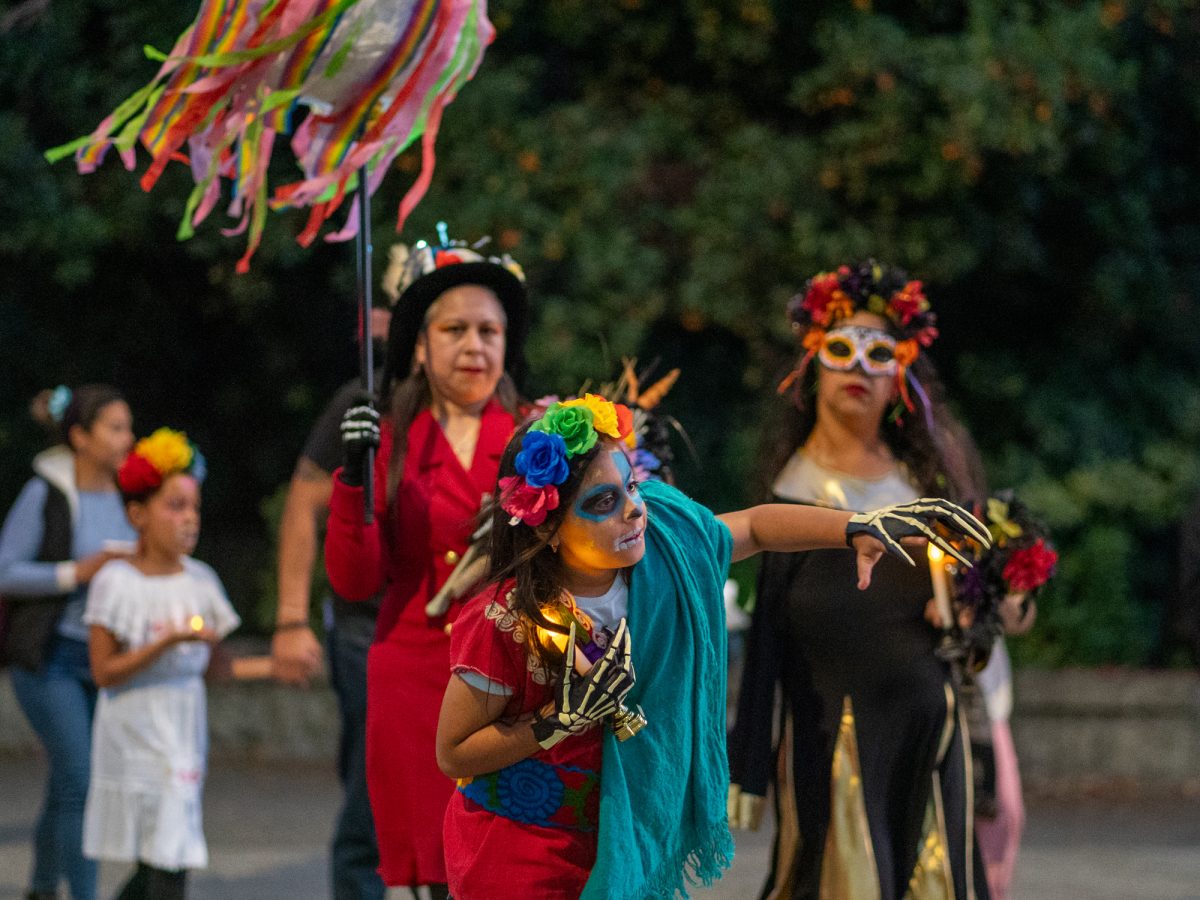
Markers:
point(450, 399)
point(871, 767)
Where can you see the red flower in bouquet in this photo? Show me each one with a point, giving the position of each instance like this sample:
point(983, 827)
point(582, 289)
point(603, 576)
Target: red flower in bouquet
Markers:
point(1030, 567)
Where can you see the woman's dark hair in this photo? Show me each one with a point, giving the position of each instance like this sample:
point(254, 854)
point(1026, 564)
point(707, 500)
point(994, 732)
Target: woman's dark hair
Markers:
point(522, 552)
point(84, 407)
point(941, 463)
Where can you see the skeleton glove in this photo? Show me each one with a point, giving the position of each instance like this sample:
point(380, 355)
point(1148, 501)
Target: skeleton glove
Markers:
point(360, 432)
point(890, 524)
point(585, 700)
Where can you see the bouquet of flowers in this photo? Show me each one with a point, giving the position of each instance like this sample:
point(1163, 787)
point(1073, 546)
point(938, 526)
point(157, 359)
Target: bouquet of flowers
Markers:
point(1020, 561)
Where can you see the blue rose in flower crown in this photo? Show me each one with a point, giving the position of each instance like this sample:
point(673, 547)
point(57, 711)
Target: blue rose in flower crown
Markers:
point(543, 459)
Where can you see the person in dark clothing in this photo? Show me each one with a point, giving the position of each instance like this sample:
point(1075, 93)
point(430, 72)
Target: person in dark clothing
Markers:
point(871, 764)
point(349, 628)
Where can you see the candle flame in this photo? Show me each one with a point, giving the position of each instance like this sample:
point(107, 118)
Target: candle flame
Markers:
point(936, 555)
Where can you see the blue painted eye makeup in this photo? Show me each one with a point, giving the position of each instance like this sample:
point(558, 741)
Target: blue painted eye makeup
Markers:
point(603, 501)
point(599, 503)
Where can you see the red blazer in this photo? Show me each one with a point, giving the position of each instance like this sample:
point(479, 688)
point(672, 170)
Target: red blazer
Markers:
point(415, 541)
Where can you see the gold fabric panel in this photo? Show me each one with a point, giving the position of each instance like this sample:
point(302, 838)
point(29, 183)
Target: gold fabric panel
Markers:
point(931, 878)
point(788, 838)
point(848, 869)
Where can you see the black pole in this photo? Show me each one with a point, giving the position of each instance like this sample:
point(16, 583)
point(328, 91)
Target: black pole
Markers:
point(363, 250)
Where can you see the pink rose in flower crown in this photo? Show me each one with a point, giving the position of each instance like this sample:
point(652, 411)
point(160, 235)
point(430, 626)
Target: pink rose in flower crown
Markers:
point(1030, 567)
point(528, 504)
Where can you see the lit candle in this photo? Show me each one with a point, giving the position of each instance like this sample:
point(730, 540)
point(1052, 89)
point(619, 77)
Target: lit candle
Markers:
point(196, 623)
point(941, 585)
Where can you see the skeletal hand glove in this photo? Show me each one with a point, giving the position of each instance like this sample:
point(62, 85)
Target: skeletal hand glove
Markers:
point(360, 432)
point(891, 524)
point(584, 700)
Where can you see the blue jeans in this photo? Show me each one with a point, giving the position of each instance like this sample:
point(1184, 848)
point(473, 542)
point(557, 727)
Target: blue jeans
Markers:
point(59, 702)
point(355, 854)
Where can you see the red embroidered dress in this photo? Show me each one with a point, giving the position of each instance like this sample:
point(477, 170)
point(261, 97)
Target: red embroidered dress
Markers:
point(529, 831)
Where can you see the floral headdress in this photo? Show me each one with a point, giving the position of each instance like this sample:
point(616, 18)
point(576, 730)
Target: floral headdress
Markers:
point(153, 459)
point(874, 287)
point(565, 430)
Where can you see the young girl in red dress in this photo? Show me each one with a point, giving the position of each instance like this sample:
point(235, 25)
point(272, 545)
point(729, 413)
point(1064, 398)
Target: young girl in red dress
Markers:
point(591, 571)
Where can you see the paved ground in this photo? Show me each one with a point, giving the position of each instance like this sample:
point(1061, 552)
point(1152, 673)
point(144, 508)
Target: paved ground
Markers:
point(267, 831)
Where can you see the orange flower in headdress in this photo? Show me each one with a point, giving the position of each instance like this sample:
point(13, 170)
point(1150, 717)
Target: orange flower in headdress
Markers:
point(907, 352)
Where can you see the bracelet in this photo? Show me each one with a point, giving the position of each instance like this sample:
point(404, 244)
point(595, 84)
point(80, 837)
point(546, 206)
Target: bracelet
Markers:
point(289, 626)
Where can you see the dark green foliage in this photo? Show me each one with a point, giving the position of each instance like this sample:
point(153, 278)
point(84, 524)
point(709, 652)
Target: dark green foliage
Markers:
point(669, 174)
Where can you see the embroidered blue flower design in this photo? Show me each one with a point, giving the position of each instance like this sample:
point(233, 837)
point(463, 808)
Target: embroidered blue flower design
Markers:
point(529, 791)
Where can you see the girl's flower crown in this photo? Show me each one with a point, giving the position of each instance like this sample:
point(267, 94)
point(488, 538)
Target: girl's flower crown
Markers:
point(153, 459)
point(874, 287)
point(565, 430)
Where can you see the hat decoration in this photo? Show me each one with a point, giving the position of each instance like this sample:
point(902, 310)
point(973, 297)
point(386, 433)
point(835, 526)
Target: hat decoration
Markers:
point(407, 265)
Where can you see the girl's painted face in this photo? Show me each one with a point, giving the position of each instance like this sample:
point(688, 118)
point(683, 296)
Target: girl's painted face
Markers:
point(605, 527)
point(109, 439)
point(462, 347)
point(852, 393)
point(169, 521)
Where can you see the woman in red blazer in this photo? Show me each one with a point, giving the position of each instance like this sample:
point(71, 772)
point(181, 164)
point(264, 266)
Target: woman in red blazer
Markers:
point(455, 354)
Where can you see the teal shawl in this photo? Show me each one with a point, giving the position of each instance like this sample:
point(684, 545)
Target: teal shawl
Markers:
point(663, 792)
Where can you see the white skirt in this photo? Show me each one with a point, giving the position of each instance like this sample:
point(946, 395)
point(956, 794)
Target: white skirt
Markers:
point(149, 744)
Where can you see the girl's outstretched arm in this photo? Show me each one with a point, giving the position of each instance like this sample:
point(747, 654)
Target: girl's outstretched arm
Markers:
point(470, 739)
point(112, 665)
point(789, 528)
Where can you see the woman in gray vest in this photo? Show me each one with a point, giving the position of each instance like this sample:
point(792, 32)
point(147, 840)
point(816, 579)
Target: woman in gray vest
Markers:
point(66, 523)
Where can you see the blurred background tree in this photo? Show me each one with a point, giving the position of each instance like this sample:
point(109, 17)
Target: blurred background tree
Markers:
point(669, 174)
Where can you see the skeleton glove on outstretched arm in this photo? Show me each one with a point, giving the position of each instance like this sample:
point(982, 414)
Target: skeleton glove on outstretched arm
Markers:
point(585, 700)
point(360, 432)
point(892, 524)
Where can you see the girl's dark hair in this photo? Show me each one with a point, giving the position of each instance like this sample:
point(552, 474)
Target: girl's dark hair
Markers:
point(85, 406)
point(941, 463)
point(409, 397)
point(523, 552)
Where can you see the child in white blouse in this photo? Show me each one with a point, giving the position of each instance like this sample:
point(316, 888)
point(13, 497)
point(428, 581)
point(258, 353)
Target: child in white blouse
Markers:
point(154, 622)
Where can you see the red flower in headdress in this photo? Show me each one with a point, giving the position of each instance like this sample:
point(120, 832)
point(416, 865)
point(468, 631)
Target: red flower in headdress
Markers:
point(908, 302)
point(529, 504)
point(927, 335)
point(138, 476)
point(624, 420)
point(824, 298)
point(1030, 567)
point(446, 258)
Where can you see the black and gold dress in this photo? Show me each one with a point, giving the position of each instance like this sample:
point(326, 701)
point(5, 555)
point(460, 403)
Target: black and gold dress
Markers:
point(867, 755)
